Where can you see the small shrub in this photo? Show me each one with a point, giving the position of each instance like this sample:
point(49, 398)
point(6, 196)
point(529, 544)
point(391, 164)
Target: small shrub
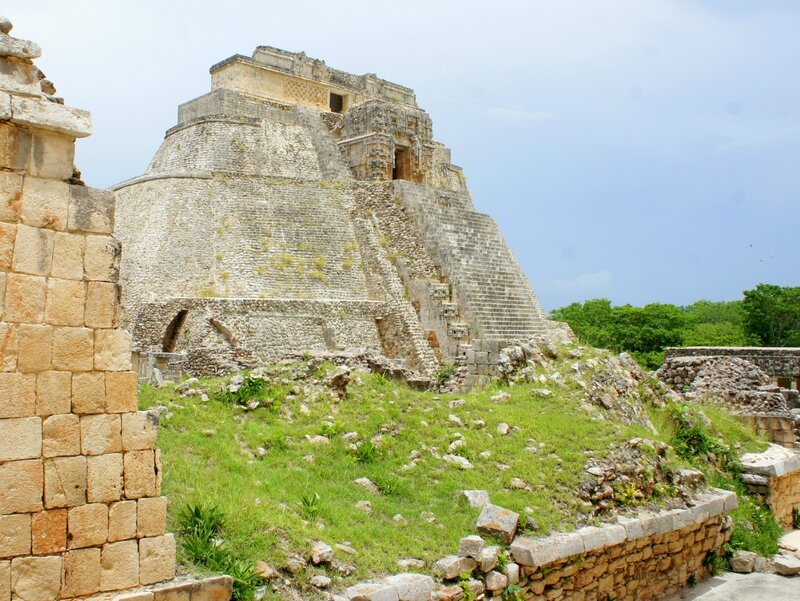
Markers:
point(366, 452)
point(251, 388)
point(445, 373)
point(389, 486)
point(200, 520)
point(310, 505)
point(796, 518)
point(512, 592)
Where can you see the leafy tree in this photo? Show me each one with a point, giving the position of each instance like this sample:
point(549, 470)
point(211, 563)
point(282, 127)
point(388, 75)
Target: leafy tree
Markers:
point(715, 324)
point(772, 314)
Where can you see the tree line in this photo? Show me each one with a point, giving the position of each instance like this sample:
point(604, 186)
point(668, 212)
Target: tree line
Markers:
point(768, 315)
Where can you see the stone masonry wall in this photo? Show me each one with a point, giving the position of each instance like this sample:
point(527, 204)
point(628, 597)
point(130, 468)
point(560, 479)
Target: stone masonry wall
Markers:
point(777, 362)
point(775, 476)
point(641, 558)
point(80, 504)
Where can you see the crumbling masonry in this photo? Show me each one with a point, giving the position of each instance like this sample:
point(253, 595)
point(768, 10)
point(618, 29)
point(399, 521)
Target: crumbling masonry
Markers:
point(300, 208)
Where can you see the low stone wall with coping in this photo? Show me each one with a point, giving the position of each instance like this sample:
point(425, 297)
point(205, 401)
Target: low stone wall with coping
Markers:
point(775, 476)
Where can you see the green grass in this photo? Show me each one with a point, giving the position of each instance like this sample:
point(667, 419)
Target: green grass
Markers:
point(297, 492)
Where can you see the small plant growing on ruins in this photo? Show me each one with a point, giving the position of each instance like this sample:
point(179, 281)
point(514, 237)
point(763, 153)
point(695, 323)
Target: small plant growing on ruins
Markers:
point(319, 262)
point(319, 276)
point(713, 562)
point(250, 388)
point(463, 582)
point(389, 486)
point(202, 521)
point(329, 430)
point(310, 505)
point(796, 518)
point(692, 580)
point(502, 561)
point(513, 592)
point(349, 247)
point(347, 263)
point(366, 452)
point(444, 373)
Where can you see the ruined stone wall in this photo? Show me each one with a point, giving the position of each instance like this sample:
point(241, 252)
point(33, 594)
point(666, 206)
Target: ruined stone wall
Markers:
point(80, 504)
point(775, 476)
point(640, 558)
point(777, 362)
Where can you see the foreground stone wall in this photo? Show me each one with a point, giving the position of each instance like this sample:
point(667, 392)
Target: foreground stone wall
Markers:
point(777, 362)
point(775, 476)
point(80, 504)
point(647, 557)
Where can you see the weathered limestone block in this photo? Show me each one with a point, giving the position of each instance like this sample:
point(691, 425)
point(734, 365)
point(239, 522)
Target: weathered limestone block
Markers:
point(81, 572)
point(64, 482)
point(10, 190)
point(112, 350)
point(121, 390)
point(35, 347)
point(19, 76)
point(21, 483)
point(5, 581)
point(21, 439)
point(18, 393)
point(45, 204)
point(9, 341)
point(122, 521)
point(119, 566)
point(412, 587)
point(53, 390)
point(65, 302)
point(101, 258)
point(451, 566)
point(104, 478)
point(15, 535)
point(24, 300)
point(16, 48)
point(535, 552)
point(151, 517)
point(8, 235)
point(102, 300)
point(497, 521)
point(68, 257)
point(368, 591)
point(43, 114)
point(73, 349)
point(15, 151)
point(49, 532)
point(139, 430)
point(88, 392)
point(35, 578)
point(52, 157)
point(61, 436)
point(87, 525)
point(471, 546)
point(156, 559)
point(101, 434)
point(141, 478)
point(91, 210)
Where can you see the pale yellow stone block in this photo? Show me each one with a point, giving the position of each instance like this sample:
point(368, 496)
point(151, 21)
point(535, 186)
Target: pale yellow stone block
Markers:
point(61, 435)
point(89, 392)
point(53, 392)
point(10, 196)
point(8, 234)
point(15, 147)
point(35, 347)
point(64, 482)
point(17, 394)
point(102, 302)
point(33, 250)
point(45, 203)
point(152, 517)
point(101, 434)
point(122, 521)
point(140, 474)
point(101, 258)
point(9, 343)
point(105, 478)
point(112, 350)
point(21, 485)
point(20, 439)
point(68, 256)
point(87, 525)
point(5, 581)
point(73, 349)
point(15, 535)
point(65, 302)
point(81, 572)
point(52, 156)
point(119, 566)
point(36, 578)
point(156, 559)
point(24, 301)
point(121, 391)
point(49, 532)
point(91, 210)
point(139, 430)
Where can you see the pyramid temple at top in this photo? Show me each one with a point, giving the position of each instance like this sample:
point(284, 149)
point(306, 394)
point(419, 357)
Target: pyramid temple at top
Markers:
point(298, 208)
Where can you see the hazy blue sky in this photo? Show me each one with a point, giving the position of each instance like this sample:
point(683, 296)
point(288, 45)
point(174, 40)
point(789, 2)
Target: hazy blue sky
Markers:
point(640, 150)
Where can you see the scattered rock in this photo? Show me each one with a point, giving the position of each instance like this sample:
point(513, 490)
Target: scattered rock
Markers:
point(364, 506)
point(321, 553)
point(410, 563)
point(476, 498)
point(318, 439)
point(265, 571)
point(346, 548)
point(786, 565)
point(520, 484)
point(427, 516)
point(500, 396)
point(497, 521)
point(5, 25)
point(455, 419)
point(743, 562)
point(320, 581)
point(762, 565)
point(541, 392)
point(456, 403)
point(451, 566)
point(531, 523)
point(458, 460)
point(451, 593)
point(503, 428)
point(471, 546)
point(368, 484)
point(295, 563)
point(412, 587)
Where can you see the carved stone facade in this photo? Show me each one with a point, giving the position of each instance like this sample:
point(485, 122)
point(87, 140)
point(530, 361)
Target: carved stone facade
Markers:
point(300, 208)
